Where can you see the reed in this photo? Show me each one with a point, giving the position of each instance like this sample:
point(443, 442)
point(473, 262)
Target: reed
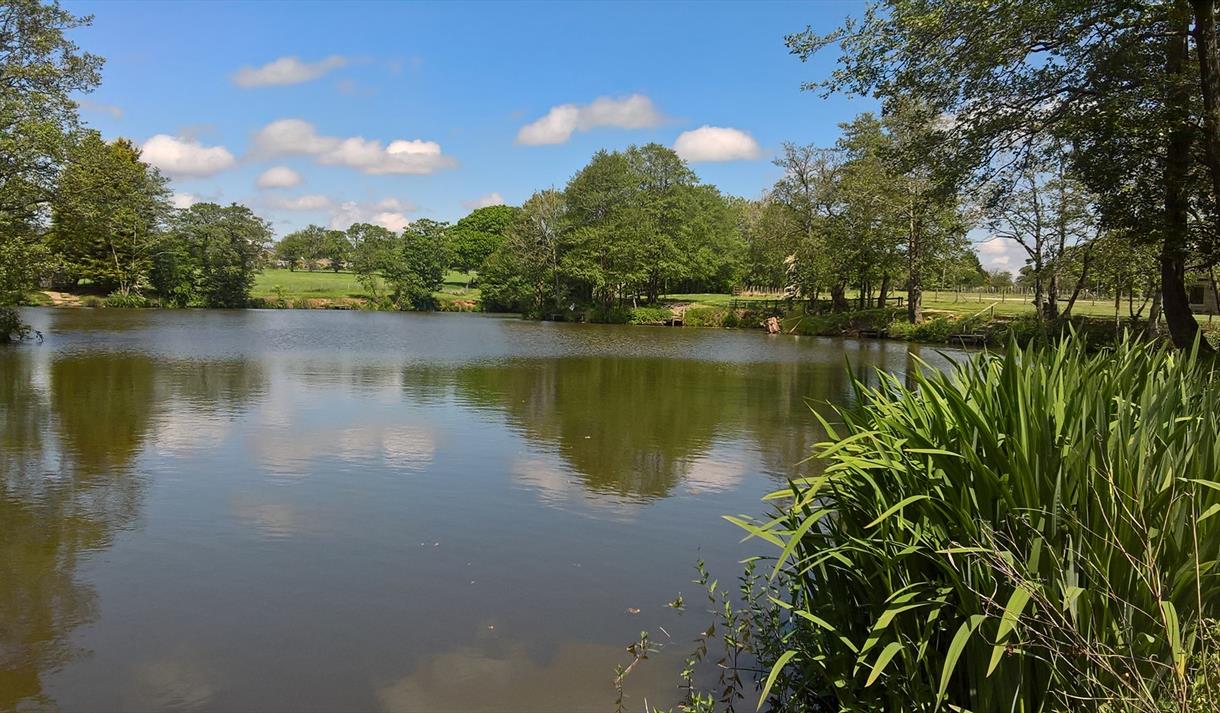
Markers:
point(1036, 530)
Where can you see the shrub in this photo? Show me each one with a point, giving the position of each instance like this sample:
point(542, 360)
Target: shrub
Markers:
point(707, 317)
point(649, 315)
point(130, 300)
point(92, 301)
point(1036, 530)
point(12, 329)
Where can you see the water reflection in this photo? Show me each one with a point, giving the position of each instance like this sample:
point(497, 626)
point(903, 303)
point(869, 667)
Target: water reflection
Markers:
point(304, 510)
point(639, 427)
point(494, 674)
point(70, 436)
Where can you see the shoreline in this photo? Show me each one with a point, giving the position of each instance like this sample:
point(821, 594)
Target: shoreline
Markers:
point(939, 328)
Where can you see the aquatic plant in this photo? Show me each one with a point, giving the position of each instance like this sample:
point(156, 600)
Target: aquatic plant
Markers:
point(1036, 530)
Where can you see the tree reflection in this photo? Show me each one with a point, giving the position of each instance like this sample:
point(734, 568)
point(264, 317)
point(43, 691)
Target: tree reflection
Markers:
point(66, 488)
point(637, 427)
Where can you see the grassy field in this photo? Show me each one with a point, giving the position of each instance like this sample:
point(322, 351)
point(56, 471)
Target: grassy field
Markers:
point(302, 284)
point(963, 304)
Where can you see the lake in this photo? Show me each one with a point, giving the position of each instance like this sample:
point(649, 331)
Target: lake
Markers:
point(311, 510)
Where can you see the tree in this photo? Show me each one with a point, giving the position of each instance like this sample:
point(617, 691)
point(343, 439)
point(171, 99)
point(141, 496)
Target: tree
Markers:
point(765, 230)
point(222, 246)
point(373, 253)
point(523, 273)
point(663, 206)
point(39, 69)
point(1047, 213)
point(108, 213)
point(479, 234)
point(421, 263)
point(603, 254)
point(1113, 80)
point(305, 246)
point(337, 249)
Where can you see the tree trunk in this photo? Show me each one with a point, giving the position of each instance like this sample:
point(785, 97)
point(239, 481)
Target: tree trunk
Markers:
point(838, 296)
point(1183, 328)
point(1209, 79)
point(914, 283)
point(1154, 313)
point(1084, 276)
point(884, 292)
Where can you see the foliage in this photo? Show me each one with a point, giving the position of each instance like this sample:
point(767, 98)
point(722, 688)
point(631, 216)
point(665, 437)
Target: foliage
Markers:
point(478, 235)
point(421, 267)
point(129, 300)
point(1036, 530)
point(41, 69)
point(12, 329)
point(1115, 81)
point(108, 213)
point(218, 254)
point(630, 225)
point(649, 315)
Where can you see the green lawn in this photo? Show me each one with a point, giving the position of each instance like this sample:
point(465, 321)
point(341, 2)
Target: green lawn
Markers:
point(964, 304)
point(343, 285)
point(302, 284)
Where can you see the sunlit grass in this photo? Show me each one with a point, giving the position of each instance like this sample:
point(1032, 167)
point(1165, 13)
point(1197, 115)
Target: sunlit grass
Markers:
point(302, 284)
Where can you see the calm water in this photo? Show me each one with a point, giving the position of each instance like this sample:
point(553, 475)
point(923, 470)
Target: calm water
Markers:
point(354, 511)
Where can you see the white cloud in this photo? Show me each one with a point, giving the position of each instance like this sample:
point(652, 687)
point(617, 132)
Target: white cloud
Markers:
point(295, 136)
point(388, 213)
point(1000, 253)
point(392, 220)
point(306, 202)
point(395, 204)
point(286, 70)
point(182, 201)
point(633, 112)
point(185, 157)
point(490, 199)
point(279, 177)
point(90, 105)
point(716, 143)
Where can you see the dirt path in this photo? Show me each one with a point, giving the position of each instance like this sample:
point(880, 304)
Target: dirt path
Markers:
point(62, 299)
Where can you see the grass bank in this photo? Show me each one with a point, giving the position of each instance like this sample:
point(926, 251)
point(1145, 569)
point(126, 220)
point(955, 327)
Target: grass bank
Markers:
point(302, 289)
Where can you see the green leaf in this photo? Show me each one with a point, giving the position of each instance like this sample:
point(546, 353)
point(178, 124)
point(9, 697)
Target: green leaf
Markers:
point(900, 505)
point(1012, 615)
point(960, 639)
point(779, 665)
point(889, 652)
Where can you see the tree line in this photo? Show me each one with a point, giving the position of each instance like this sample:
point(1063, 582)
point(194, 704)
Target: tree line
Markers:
point(1107, 114)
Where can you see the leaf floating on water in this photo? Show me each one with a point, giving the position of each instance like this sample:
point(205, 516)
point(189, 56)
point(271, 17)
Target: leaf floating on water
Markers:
point(632, 610)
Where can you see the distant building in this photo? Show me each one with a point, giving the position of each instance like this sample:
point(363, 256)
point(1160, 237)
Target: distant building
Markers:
point(1203, 298)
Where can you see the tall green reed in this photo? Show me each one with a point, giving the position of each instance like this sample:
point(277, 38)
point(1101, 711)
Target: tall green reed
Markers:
point(1036, 530)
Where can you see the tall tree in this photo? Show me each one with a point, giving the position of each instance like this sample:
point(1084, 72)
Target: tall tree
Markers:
point(424, 258)
point(1114, 80)
point(39, 69)
point(479, 234)
point(224, 245)
point(604, 252)
point(108, 213)
point(523, 273)
point(374, 252)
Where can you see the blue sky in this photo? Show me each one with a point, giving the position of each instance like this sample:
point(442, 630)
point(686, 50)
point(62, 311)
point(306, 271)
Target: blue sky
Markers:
point(455, 85)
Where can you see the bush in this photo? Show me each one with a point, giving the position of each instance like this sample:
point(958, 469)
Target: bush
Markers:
point(12, 329)
point(650, 315)
point(92, 301)
point(130, 300)
point(707, 317)
point(1037, 530)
